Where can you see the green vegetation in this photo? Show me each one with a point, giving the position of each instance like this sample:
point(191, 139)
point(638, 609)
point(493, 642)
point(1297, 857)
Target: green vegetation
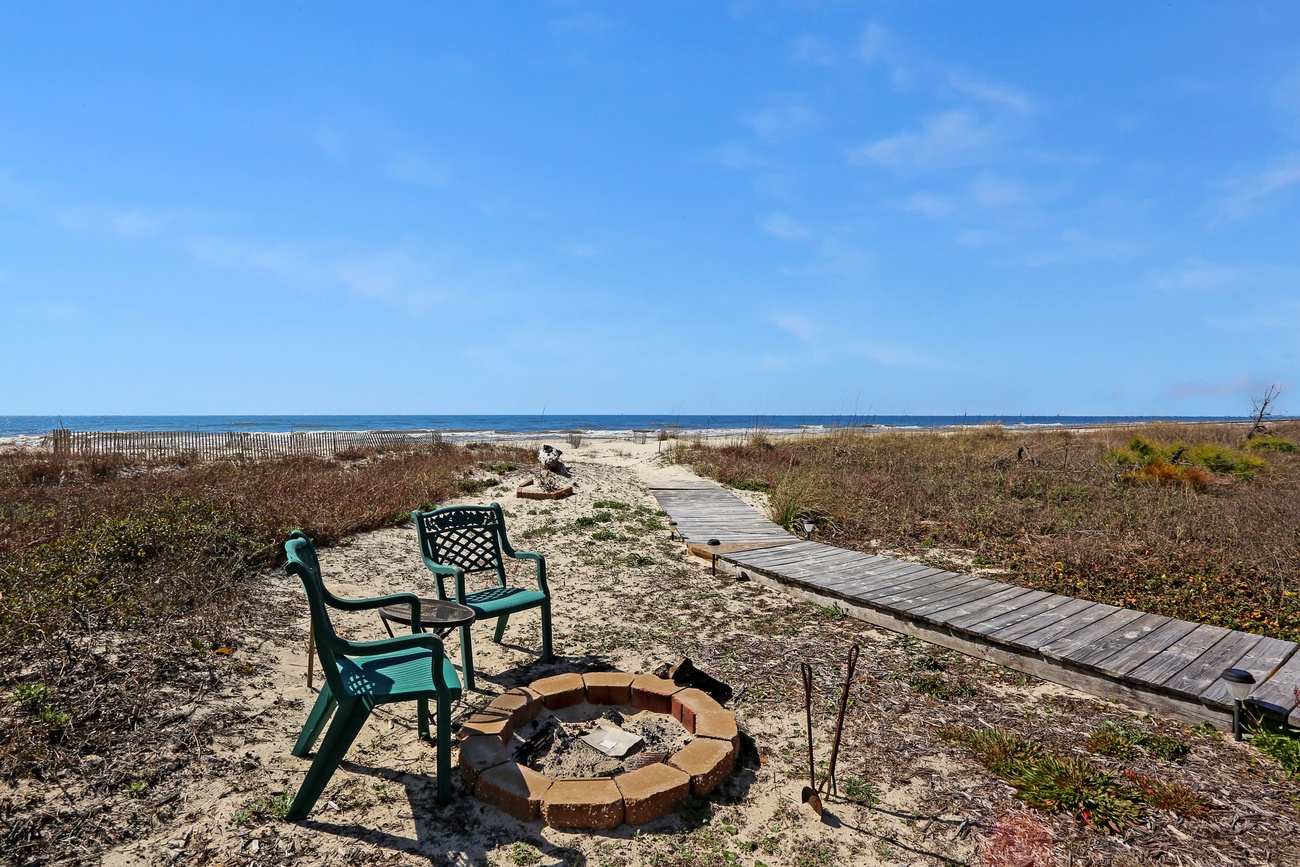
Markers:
point(1122, 740)
point(941, 688)
point(523, 855)
point(861, 790)
point(263, 807)
point(1073, 785)
point(1280, 743)
point(157, 563)
point(1112, 515)
point(1267, 442)
point(1148, 462)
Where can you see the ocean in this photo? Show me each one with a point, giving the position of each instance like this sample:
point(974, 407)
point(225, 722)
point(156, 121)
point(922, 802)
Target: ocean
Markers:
point(531, 426)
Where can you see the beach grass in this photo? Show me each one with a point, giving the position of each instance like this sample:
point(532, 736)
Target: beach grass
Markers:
point(1185, 520)
point(126, 586)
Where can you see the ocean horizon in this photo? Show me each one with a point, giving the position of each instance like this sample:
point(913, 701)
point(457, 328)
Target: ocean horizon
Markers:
point(592, 425)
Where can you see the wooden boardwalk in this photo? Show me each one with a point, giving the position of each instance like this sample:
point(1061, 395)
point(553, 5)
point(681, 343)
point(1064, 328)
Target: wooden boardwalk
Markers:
point(1153, 662)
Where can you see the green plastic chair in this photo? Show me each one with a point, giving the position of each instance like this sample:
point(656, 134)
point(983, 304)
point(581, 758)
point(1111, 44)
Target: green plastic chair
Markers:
point(360, 675)
point(461, 540)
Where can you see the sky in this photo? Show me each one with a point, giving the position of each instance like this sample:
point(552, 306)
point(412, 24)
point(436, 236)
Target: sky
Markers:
point(683, 207)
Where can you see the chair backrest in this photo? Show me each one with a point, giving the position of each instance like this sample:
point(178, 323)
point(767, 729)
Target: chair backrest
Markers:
point(300, 560)
point(469, 537)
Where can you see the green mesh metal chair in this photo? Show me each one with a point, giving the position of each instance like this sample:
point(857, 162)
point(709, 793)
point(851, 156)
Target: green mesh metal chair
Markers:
point(361, 675)
point(461, 540)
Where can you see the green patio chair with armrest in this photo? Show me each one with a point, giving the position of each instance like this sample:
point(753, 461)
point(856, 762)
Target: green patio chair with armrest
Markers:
point(460, 540)
point(360, 675)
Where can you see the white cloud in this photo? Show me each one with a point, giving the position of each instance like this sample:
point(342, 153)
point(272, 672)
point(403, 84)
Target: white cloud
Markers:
point(999, 95)
point(785, 228)
point(878, 47)
point(130, 223)
point(779, 123)
point(953, 138)
point(1240, 386)
point(811, 50)
point(795, 325)
point(1247, 195)
point(896, 355)
point(1198, 276)
point(411, 281)
point(579, 250)
point(874, 44)
point(737, 156)
point(932, 206)
point(993, 192)
point(803, 330)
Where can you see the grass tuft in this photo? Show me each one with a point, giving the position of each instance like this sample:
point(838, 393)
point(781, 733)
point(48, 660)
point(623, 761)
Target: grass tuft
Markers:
point(1280, 743)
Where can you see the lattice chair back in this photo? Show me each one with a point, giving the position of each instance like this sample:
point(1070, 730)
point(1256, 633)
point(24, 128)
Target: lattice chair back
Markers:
point(468, 537)
point(301, 560)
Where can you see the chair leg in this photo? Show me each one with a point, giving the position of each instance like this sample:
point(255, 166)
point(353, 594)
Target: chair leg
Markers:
point(347, 725)
point(422, 717)
point(547, 656)
point(320, 714)
point(501, 628)
point(466, 657)
point(444, 748)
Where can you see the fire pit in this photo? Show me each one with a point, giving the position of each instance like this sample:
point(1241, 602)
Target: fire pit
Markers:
point(562, 748)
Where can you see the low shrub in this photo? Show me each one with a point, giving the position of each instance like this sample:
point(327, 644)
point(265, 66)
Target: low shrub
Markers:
point(1122, 740)
point(1280, 743)
point(1065, 785)
point(1270, 443)
point(1219, 459)
point(1161, 464)
point(1173, 797)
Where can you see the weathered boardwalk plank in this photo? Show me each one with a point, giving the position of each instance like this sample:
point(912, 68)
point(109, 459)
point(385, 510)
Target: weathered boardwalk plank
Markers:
point(1149, 660)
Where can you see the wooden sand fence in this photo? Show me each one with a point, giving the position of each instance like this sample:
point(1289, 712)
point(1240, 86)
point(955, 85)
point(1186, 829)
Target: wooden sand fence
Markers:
point(205, 445)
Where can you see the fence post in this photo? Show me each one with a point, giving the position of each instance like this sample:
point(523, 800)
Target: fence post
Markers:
point(61, 439)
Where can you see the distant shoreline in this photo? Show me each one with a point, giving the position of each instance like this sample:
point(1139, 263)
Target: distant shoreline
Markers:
point(40, 441)
point(593, 426)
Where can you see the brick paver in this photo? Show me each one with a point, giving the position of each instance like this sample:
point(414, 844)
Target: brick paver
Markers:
point(593, 803)
point(609, 687)
point(561, 691)
point(653, 693)
point(514, 788)
point(651, 792)
point(707, 761)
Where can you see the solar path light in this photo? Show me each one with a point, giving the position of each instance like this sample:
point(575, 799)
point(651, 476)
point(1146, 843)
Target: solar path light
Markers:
point(714, 544)
point(1239, 684)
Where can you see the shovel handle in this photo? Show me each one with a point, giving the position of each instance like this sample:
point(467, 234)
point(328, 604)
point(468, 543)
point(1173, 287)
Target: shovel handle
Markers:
point(830, 784)
point(806, 671)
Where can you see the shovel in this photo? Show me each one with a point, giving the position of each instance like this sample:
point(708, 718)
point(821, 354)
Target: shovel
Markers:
point(829, 785)
point(810, 795)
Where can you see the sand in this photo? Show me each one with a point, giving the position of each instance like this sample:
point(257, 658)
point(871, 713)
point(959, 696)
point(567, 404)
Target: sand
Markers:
point(630, 599)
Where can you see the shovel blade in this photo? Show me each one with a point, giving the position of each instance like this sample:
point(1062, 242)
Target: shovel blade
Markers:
point(811, 798)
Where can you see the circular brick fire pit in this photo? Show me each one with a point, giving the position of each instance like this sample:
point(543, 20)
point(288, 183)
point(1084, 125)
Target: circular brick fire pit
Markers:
point(635, 796)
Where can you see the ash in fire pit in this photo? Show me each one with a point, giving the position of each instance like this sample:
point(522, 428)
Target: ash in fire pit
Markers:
point(553, 744)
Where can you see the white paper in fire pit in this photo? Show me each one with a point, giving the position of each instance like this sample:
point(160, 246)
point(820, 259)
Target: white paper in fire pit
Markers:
point(611, 741)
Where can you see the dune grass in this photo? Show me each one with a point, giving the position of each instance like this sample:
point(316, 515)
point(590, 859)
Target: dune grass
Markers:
point(125, 588)
point(1213, 537)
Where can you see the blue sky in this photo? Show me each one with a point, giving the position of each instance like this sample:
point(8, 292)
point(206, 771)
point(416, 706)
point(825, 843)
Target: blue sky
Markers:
point(769, 208)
